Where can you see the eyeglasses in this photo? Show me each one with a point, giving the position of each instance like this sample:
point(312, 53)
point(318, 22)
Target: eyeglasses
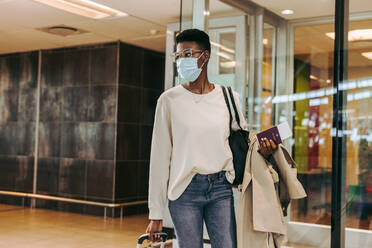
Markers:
point(187, 53)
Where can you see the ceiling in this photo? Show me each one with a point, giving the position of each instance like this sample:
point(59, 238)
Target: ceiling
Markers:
point(19, 20)
point(312, 45)
point(312, 8)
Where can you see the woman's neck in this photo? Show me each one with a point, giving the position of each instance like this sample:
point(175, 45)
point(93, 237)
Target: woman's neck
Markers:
point(201, 85)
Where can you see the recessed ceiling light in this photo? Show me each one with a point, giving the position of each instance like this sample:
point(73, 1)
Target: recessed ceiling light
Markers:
point(368, 55)
point(85, 8)
point(355, 35)
point(287, 12)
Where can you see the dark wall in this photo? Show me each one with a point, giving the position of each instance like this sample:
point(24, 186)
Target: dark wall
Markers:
point(18, 88)
point(95, 122)
point(141, 81)
point(77, 122)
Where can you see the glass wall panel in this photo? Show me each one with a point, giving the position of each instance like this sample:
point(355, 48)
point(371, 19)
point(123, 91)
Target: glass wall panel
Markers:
point(268, 75)
point(186, 14)
point(313, 110)
point(225, 24)
point(221, 68)
point(297, 86)
point(359, 122)
point(290, 61)
point(291, 53)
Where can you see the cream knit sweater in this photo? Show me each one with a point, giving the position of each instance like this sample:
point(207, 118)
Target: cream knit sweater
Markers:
point(190, 136)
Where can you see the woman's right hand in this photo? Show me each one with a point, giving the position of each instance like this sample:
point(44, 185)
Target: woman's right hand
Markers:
point(154, 226)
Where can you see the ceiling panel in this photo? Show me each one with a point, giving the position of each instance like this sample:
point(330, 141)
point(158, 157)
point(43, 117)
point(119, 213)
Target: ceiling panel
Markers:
point(30, 14)
point(313, 8)
point(312, 44)
point(302, 9)
point(19, 18)
point(154, 43)
point(360, 6)
point(122, 26)
point(161, 12)
point(87, 38)
point(35, 40)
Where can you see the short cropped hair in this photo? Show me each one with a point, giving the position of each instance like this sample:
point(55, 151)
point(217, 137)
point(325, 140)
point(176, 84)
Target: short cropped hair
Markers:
point(200, 37)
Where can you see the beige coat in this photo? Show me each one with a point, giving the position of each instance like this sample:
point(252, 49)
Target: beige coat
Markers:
point(259, 211)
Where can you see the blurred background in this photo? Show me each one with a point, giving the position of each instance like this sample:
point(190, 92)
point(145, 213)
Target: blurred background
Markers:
point(79, 81)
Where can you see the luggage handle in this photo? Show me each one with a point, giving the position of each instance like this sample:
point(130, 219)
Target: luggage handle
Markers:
point(144, 237)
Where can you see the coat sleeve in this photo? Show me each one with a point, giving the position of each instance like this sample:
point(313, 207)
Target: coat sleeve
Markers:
point(160, 158)
point(288, 172)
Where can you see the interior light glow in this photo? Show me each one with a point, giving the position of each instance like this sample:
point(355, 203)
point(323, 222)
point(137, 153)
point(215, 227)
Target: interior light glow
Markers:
point(347, 85)
point(222, 47)
point(287, 12)
point(314, 77)
point(355, 35)
point(228, 64)
point(368, 55)
point(268, 100)
point(84, 8)
point(318, 101)
point(225, 55)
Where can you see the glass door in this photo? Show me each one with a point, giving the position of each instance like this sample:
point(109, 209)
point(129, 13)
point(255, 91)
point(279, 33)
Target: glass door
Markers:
point(228, 62)
point(262, 85)
point(268, 75)
point(228, 59)
point(221, 68)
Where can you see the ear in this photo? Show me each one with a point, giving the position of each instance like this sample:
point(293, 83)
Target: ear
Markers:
point(206, 56)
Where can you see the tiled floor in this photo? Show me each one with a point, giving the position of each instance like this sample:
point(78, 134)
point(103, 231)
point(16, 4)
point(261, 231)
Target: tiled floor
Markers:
point(39, 228)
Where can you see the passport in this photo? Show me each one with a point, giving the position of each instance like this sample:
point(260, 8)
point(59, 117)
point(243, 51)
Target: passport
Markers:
point(276, 133)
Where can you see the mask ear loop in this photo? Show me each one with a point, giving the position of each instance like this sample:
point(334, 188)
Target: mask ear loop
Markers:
point(203, 62)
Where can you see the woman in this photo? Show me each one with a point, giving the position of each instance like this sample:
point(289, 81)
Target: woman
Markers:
point(191, 161)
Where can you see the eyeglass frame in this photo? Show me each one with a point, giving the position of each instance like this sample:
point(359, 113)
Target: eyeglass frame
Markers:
point(176, 55)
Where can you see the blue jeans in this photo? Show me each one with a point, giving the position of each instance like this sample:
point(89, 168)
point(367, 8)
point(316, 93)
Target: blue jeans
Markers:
point(208, 198)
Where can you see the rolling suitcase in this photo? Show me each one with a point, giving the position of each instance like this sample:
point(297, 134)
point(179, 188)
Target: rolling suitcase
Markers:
point(162, 244)
point(167, 240)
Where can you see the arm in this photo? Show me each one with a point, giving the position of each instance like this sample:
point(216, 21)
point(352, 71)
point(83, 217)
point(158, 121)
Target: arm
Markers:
point(161, 150)
point(267, 146)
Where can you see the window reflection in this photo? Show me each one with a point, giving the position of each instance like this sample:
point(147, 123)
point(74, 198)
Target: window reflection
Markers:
point(312, 143)
point(267, 75)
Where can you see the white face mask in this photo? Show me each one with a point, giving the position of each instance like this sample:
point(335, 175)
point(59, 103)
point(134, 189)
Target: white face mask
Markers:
point(188, 68)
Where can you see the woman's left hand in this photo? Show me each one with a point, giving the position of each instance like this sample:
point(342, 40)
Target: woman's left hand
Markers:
point(267, 147)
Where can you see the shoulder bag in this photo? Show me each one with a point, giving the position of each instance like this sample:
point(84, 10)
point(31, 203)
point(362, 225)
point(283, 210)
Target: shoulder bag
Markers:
point(238, 140)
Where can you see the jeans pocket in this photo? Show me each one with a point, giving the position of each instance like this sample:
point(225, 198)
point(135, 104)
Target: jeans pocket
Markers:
point(224, 179)
point(223, 183)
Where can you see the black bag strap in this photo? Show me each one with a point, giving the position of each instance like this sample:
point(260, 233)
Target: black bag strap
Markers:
point(234, 106)
point(228, 105)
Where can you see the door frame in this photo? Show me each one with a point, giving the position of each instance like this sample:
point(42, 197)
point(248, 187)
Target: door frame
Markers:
point(240, 24)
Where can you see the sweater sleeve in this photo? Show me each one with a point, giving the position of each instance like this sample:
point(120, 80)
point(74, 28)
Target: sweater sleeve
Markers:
point(160, 157)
